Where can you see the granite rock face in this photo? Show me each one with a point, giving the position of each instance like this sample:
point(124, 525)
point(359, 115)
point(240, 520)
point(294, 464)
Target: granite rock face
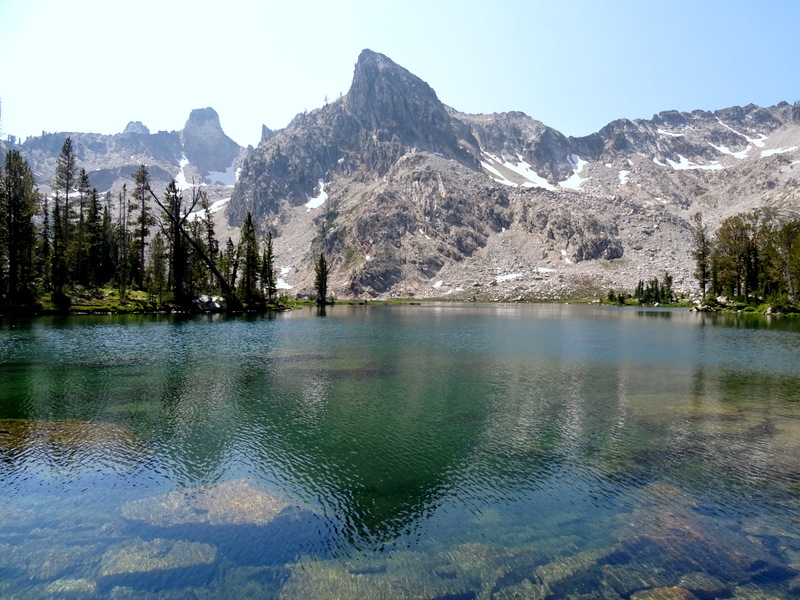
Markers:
point(422, 200)
point(409, 197)
point(205, 144)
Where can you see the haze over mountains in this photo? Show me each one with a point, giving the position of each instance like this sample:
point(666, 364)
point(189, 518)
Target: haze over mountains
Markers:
point(409, 197)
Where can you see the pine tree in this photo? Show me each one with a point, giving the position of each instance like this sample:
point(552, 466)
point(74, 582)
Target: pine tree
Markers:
point(44, 249)
point(66, 167)
point(211, 243)
point(173, 203)
point(142, 223)
point(157, 271)
point(58, 263)
point(268, 281)
point(788, 249)
point(701, 252)
point(122, 244)
point(18, 200)
point(248, 251)
point(94, 239)
point(79, 251)
point(229, 263)
point(107, 247)
point(321, 272)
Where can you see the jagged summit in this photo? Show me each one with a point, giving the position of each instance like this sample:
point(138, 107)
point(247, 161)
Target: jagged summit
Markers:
point(388, 99)
point(136, 127)
point(205, 144)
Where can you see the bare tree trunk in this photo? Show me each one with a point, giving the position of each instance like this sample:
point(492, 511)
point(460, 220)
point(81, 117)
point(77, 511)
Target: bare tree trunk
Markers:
point(230, 296)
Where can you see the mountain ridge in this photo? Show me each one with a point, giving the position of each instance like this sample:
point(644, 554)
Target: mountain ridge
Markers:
point(411, 197)
point(405, 212)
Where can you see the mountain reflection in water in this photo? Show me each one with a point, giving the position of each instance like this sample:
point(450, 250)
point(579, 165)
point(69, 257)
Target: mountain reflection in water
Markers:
point(480, 451)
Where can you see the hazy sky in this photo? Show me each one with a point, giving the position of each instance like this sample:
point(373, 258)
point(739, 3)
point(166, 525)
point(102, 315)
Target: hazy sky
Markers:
point(84, 65)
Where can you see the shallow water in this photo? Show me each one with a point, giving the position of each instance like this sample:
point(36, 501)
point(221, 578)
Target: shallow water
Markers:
point(456, 451)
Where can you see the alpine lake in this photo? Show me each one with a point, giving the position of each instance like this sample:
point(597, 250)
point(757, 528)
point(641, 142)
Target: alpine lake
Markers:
point(440, 451)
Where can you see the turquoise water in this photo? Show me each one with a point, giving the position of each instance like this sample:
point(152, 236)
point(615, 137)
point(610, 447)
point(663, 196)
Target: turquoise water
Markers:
point(434, 451)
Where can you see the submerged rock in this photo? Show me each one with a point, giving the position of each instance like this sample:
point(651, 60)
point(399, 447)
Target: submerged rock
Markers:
point(235, 502)
point(72, 588)
point(464, 571)
point(141, 556)
point(665, 593)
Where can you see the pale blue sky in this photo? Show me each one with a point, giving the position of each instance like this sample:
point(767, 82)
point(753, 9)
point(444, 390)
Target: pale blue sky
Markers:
point(95, 65)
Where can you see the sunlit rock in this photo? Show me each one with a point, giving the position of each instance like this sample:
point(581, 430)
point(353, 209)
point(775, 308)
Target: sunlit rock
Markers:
point(235, 502)
point(665, 593)
point(72, 588)
point(703, 585)
point(42, 560)
point(626, 579)
point(406, 575)
point(463, 571)
point(140, 556)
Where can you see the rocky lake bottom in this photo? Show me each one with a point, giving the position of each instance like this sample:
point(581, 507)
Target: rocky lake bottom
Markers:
point(434, 452)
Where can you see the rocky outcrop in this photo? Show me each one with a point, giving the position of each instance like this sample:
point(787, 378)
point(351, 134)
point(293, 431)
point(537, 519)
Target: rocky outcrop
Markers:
point(205, 145)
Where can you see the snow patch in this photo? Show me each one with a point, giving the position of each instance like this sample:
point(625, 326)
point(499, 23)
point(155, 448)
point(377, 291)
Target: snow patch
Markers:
point(623, 177)
point(218, 205)
point(319, 200)
point(670, 133)
point(215, 207)
point(521, 168)
point(574, 181)
point(180, 178)
point(226, 177)
point(566, 258)
point(282, 285)
point(285, 270)
point(500, 278)
point(685, 165)
point(759, 142)
point(777, 151)
point(545, 269)
point(725, 150)
point(438, 284)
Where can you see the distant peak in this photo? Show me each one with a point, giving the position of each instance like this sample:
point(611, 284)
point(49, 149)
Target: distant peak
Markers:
point(203, 115)
point(136, 127)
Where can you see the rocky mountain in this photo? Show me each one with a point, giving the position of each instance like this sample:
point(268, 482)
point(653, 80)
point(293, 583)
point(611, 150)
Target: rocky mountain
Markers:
point(410, 197)
point(199, 153)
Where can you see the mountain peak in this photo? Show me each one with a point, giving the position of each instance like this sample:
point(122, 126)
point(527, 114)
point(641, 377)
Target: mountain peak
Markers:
point(203, 115)
point(205, 143)
point(392, 102)
point(136, 127)
point(384, 93)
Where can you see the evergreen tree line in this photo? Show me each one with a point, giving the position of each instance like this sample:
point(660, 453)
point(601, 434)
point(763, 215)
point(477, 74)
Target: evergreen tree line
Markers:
point(753, 257)
point(655, 291)
point(79, 242)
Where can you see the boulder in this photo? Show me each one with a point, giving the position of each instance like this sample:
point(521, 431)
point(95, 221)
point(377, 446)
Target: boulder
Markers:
point(235, 502)
point(139, 556)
